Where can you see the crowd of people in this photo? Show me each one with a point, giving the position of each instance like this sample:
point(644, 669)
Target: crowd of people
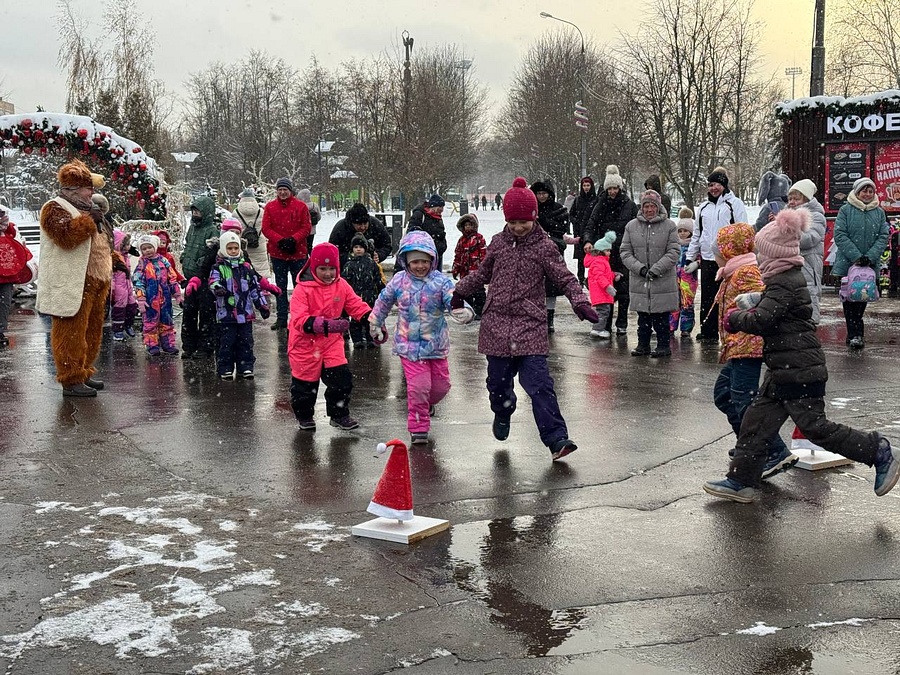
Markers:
point(760, 286)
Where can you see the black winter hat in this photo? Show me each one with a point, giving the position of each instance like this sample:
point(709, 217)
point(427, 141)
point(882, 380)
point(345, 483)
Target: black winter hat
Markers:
point(435, 200)
point(285, 182)
point(357, 213)
point(719, 176)
point(359, 240)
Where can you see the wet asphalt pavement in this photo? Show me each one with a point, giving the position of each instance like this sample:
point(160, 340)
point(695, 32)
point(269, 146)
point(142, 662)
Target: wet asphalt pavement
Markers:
point(178, 524)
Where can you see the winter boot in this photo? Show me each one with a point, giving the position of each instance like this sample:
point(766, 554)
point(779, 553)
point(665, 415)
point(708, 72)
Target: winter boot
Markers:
point(550, 313)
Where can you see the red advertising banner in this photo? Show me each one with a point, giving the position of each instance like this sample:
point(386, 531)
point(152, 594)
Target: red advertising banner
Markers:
point(887, 175)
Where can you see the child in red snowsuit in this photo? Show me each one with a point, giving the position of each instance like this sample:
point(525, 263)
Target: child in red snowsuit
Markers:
point(469, 253)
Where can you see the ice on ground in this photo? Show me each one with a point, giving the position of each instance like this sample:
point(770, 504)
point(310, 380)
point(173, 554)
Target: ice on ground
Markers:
point(151, 516)
point(228, 526)
point(846, 622)
point(228, 648)
point(760, 629)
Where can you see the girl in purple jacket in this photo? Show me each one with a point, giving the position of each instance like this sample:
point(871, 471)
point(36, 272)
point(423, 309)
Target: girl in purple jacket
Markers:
point(513, 333)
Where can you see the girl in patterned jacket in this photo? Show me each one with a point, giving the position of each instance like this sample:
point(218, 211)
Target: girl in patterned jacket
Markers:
point(155, 285)
point(236, 286)
point(741, 353)
point(124, 303)
point(421, 339)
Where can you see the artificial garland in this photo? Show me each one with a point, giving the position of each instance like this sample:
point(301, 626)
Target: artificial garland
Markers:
point(117, 158)
point(821, 106)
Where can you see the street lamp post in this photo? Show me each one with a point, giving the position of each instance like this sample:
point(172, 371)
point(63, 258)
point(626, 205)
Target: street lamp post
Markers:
point(580, 109)
point(464, 65)
point(792, 73)
point(185, 159)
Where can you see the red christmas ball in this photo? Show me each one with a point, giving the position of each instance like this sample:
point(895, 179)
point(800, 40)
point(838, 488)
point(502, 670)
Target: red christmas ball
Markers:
point(102, 134)
point(151, 189)
point(38, 134)
point(14, 140)
point(27, 123)
point(43, 151)
point(82, 133)
point(27, 149)
point(142, 166)
point(136, 149)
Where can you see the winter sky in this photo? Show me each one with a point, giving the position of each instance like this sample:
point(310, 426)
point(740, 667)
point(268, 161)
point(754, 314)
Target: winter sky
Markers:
point(494, 33)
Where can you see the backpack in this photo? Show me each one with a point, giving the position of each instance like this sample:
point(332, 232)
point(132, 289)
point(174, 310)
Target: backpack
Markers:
point(860, 285)
point(250, 233)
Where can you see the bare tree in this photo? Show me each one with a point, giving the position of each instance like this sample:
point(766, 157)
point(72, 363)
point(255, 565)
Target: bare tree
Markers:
point(81, 58)
point(867, 44)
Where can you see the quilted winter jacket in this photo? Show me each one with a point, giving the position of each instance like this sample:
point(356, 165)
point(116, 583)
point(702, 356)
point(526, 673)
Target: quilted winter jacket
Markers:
point(122, 290)
point(859, 233)
point(514, 319)
point(580, 215)
point(610, 214)
point(709, 217)
point(791, 349)
point(746, 279)
point(282, 219)
point(238, 277)
point(652, 244)
point(812, 248)
point(600, 277)
point(195, 241)
point(421, 332)
point(155, 281)
point(308, 352)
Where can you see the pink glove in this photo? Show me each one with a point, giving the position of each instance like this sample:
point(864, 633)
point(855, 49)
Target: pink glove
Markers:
point(268, 286)
point(322, 326)
point(569, 239)
point(727, 321)
point(586, 313)
point(192, 286)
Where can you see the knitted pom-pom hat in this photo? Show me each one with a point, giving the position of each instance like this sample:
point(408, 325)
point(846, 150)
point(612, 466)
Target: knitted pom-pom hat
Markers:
point(605, 243)
point(613, 179)
point(781, 237)
point(519, 203)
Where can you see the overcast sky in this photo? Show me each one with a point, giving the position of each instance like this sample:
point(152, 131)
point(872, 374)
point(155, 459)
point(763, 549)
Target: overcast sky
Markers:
point(495, 34)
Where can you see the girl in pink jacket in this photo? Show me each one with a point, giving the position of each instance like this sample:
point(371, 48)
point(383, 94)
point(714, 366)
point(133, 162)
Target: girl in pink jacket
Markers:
point(601, 282)
point(316, 340)
point(124, 302)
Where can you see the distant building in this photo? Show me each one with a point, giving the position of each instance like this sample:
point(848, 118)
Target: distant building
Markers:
point(7, 108)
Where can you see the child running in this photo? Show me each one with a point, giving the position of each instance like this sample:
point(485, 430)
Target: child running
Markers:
point(316, 342)
point(124, 303)
point(601, 278)
point(794, 384)
point(235, 284)
point(467, 257)
point(683, 317)
point(513, 333)
point(156, 285)
point(422, 294)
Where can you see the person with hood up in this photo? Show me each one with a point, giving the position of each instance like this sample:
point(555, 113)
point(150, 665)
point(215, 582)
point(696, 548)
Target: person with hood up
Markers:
point(554, 220)
point(124, 303)
point(796, 372)
point(165, 250)
point(861, 235)
point(721, 208)
point(198, 321)
point(156, 286)
point(286, 224)
point(315, 215)
point(580, 215)
point(772, 196)
point(366, 279)
point(236, 287)
point(423, 295)
point(470, 251)
point(654, 183)
point(513, 334)
point(650, 251)
point(429, 218)
point(250, 213)
point(613, 211)
point(316, 342)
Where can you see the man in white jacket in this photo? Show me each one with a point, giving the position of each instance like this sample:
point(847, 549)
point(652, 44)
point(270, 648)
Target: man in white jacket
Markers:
point(721, 208)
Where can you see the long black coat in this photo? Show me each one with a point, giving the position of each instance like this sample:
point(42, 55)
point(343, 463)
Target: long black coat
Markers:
point(343, 233)
point(554, 220)
point(580, 215)
point(791, 349)
point(610, 214)
point(419, 220)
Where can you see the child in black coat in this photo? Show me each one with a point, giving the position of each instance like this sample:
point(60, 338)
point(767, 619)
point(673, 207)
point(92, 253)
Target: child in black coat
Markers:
point(365, 278)
point(794, 384)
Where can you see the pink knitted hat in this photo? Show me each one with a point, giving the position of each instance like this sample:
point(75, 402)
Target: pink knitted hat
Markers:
point(781, 238)
point(231, 225)
point(519, 203)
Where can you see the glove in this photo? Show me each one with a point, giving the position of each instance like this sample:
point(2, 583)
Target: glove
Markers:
point(264, 312)
point(748, 300)
point(462, 315)
point(379, 334)
point(864, 261)
point(219, 291)
point(651, 275)
point(618, 276)
point(692, 267)
point(192, 286)
point(586, 313)
point(319, 325)
point(643, 271)
point(268, 286)
point(727, 321)
point(611, 290)
point(287, 245)
point(457, 301)
point(142, 306)
point(569, 239)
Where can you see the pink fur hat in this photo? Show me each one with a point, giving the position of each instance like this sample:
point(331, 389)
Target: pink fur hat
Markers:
point(781, 238)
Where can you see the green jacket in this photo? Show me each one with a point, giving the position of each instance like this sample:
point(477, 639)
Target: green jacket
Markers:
point(195, 242)
point(859, 233)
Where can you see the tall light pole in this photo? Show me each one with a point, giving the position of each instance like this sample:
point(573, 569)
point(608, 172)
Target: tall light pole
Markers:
point(580, 109)
point(792, 73)
point(464, 65)
point(817, 67)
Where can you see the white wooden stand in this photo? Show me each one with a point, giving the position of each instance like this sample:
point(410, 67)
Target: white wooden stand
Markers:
point(814, 457)
point(400, 531)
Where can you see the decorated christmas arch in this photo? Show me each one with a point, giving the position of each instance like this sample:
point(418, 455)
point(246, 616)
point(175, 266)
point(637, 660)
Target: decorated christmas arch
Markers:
point(115, 157)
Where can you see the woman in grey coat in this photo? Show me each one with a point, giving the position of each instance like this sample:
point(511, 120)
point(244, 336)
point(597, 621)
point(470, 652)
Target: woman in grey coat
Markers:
point(812, 242)
point(650, 250)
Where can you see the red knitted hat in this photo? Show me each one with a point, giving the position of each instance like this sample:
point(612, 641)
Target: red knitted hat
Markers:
point(323, 255)
point(519, 203)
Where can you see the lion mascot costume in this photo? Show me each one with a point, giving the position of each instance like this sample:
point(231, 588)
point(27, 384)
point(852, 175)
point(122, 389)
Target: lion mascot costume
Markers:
point(75, 271)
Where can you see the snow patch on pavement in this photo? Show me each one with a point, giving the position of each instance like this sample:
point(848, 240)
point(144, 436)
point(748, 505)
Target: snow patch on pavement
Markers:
point(846, 622)
point(760, 629)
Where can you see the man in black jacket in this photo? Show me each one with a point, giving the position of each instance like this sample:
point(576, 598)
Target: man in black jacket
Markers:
point(428, 217)
point(358, 221)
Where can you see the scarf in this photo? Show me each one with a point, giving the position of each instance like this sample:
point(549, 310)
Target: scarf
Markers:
point(74, 201)
point(769, 267)
point(732, 264)
point(853, 200)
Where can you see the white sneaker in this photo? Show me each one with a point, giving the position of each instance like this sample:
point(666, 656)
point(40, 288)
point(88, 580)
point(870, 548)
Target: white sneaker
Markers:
point(604, 335)
point(597, 333)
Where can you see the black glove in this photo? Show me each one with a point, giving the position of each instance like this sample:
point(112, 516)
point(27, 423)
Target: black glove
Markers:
point(651, 275)
point(457, 301)
point(264, 312)
point(643, 271)
point(287, 245)
point(864, 261)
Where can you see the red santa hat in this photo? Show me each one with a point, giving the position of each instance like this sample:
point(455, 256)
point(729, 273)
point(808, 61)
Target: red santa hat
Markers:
point(393, 496)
